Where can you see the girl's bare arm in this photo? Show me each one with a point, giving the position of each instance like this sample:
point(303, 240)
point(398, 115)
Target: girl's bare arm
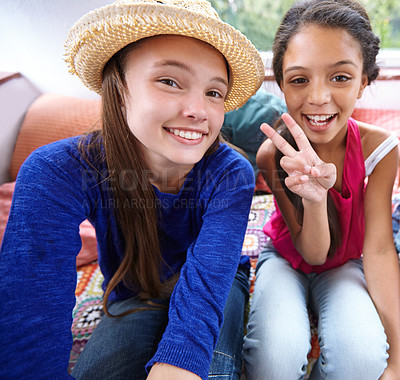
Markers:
point(381, 264)
point(310, 178)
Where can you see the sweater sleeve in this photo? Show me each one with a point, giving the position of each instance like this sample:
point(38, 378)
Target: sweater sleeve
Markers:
point(38, 270)
point(198, 299)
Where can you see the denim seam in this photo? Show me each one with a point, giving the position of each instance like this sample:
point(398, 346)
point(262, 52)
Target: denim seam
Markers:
point(224, 354)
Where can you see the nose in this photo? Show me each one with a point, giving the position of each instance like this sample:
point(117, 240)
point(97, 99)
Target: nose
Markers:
point(195, 107)
point(319, 94)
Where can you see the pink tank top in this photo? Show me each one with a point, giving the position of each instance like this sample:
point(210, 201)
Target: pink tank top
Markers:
point(350, 206)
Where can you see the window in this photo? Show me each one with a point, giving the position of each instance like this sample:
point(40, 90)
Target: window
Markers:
point(259, 19)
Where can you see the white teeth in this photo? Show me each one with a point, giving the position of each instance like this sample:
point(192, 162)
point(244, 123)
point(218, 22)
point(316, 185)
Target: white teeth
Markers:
point(319, 119)
point(186, 135)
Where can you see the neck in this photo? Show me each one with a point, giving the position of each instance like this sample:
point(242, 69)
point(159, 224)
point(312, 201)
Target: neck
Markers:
point(170, 180)
point(333, 147)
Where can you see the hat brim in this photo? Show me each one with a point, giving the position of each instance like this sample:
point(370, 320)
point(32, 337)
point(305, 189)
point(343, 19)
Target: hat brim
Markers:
point(97, 36)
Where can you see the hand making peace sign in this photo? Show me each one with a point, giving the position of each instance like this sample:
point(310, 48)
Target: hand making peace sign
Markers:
point(308, 176)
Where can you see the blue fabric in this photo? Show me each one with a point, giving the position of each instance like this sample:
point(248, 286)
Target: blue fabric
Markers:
point(202, 230)
point(119, 348)
point(242, 126)
point(396, 221)
point(226, 363)
point(350, 333)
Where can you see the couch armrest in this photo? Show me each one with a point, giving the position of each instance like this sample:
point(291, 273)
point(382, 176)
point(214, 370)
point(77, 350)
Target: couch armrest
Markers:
point(16, 95)
point(53, 117)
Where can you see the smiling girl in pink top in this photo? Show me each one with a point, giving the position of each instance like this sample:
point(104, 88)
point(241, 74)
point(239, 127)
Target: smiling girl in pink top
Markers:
point(331, 245)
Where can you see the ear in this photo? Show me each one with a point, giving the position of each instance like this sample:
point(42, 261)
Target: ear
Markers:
point(364, 83)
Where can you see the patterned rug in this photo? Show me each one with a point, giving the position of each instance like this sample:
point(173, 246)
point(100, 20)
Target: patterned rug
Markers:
point(88, 308)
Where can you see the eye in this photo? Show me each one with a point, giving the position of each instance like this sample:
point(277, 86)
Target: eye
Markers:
point(214, 94)
point(340, 78)
point(168, 82)
point(298, 81)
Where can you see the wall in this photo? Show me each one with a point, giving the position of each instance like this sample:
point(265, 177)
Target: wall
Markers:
point(32, 35)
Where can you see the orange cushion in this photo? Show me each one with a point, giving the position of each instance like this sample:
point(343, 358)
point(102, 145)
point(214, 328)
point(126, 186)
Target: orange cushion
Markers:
point(6, 191)
point(52, 117)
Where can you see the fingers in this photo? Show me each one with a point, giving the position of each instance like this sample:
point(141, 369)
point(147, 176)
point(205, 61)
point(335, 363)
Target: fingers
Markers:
point(280, 143)
point(295, 165)
point(323, 170)
point(306, 172)
point(324, 174)
point(297, 133)
point(296, 180)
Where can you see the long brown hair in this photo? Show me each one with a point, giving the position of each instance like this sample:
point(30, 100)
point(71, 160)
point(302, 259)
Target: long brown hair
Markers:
point(135, 209)
point(140, 267)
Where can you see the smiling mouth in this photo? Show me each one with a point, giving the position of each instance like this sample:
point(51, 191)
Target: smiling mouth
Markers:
point(185, 134)
point(319, 120)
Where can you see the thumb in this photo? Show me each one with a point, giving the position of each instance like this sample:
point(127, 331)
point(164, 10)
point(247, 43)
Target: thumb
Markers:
point(326, 174)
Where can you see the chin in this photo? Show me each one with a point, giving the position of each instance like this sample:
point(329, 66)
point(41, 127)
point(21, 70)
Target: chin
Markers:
point(185, 161)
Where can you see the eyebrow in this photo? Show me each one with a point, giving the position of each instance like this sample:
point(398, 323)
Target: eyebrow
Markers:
point(339, 63)
point(183, 66)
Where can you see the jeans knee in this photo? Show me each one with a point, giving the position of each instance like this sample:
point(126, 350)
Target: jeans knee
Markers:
point(353, 358)
point(281, 358)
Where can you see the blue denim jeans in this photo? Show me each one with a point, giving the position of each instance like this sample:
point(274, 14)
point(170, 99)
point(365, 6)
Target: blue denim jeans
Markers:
point(351, 335)
point(226, 363)
point(396, 221)
point(119, 348)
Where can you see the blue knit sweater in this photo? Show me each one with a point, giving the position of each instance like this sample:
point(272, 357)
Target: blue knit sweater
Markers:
point(202, 231)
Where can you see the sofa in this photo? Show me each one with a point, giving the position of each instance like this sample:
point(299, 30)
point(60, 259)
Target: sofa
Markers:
point(50, 117)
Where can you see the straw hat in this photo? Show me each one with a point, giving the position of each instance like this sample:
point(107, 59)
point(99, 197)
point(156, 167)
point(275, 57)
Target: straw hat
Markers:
point(98, 35)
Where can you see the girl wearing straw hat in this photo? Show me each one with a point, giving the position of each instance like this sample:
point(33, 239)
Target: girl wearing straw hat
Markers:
point(168, 200)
